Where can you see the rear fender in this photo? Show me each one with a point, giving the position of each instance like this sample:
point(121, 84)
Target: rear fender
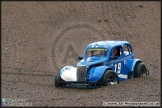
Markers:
point(95, 73)
point(130, 64)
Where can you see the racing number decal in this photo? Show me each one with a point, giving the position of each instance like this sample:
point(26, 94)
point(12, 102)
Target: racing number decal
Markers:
point(118, 68)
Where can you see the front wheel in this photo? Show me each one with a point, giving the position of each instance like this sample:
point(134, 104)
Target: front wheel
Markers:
point(109, 78)
point(57, 79)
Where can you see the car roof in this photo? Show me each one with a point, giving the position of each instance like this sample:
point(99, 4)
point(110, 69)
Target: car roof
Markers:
point(107, 43)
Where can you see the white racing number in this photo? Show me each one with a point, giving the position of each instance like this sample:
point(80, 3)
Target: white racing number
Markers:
point(118, 68)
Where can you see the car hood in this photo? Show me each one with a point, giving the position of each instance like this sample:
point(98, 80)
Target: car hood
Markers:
point(91, 61)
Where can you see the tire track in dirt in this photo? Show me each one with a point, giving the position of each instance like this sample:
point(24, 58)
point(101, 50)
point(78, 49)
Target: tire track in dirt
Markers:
point(24, 71)
point(27, 82)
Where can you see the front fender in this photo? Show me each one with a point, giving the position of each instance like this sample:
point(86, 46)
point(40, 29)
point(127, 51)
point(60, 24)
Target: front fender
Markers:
point(68, 73)
point(96, 73)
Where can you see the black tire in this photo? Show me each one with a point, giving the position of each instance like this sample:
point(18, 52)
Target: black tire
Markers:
point(109, 78)
point(140, 69)
point(57, 79)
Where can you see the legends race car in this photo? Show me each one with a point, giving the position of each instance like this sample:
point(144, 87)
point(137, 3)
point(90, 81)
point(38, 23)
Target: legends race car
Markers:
point(104, 63)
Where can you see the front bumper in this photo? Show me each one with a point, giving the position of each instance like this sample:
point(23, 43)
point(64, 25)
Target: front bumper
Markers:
point(81, 84)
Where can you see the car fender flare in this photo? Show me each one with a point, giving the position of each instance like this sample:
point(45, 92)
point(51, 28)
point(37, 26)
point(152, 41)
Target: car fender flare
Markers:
point(134, 63)
point(68, 73)
point(131, 64)
point(95, 73)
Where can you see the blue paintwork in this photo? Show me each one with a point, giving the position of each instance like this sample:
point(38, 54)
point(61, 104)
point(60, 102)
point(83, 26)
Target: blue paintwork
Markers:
point(131, 64)
point(96, 73)
point(127, 62)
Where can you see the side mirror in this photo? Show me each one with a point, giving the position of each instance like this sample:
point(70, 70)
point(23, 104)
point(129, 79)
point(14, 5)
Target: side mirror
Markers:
point(80, 57)
point(113, 57)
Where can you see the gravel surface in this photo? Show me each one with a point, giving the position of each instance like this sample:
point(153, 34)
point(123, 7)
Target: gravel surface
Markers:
point(40, 38)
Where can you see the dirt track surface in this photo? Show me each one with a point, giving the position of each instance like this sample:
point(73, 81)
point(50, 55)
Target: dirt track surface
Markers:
point(39, 38)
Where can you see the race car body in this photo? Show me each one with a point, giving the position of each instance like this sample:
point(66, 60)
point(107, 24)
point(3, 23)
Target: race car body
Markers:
point(104, 63)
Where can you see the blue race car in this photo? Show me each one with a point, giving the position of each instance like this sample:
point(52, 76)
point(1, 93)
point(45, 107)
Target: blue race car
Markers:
point(104, 63)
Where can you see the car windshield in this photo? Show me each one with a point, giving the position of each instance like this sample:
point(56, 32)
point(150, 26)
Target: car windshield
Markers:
point(96, 52)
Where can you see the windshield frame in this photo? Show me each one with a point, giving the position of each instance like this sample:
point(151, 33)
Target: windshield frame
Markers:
point(97, 52)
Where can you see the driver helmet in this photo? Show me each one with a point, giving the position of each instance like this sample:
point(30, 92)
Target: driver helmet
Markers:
point(114, 52)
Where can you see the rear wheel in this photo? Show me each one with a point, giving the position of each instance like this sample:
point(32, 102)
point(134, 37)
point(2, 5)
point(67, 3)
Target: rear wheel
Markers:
point(109, 78)
point(140, 69)
point(57, 79)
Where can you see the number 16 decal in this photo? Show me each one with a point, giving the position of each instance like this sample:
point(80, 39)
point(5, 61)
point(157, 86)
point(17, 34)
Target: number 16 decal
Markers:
point(118, 68)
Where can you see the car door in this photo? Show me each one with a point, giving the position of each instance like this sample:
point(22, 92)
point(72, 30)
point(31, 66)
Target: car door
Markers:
point(118, 62)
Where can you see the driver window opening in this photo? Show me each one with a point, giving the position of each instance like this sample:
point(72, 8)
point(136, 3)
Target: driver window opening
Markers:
point(127, 50)
point(117, 51)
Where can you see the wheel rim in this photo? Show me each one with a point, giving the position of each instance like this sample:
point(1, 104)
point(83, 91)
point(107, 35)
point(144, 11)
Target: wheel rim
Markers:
point(143, 71)
point(111, 79)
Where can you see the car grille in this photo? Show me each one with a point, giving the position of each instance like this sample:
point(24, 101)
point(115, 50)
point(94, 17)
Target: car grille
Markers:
point(81, 75)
